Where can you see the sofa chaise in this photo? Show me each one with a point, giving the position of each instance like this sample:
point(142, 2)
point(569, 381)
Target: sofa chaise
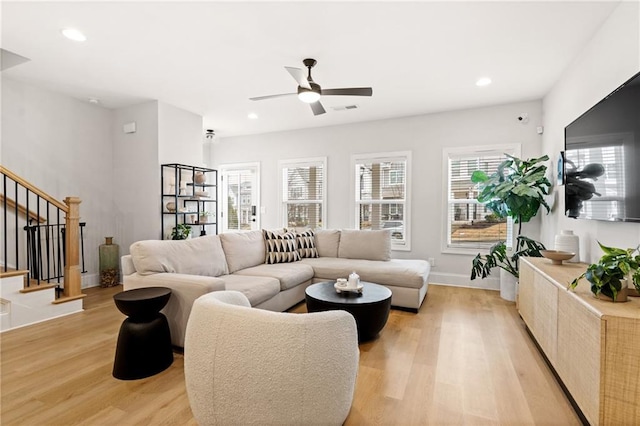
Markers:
point(271, 275)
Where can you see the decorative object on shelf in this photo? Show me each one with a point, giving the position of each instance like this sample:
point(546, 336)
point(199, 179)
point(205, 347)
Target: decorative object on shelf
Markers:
point(172, 185)
point(200, 178)
point(109, 257)
point(204, 217)
point(516, 190)
point(568, 242)
point(616, 270)
point(556, 256)
point(171, 206)
point(200, 193)
point(180, 232)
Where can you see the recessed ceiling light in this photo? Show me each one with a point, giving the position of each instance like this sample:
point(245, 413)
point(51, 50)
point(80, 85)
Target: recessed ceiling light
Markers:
point(253, 116)
point(73, 34)
point(94, 100)
point(484, 81)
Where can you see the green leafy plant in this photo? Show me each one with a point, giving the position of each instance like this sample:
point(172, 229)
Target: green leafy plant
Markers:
point(180, 232)
point(498, 257)
point(607, 274)
point(516, 190)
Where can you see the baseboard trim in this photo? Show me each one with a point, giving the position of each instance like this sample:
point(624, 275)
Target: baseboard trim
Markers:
point(459, 280)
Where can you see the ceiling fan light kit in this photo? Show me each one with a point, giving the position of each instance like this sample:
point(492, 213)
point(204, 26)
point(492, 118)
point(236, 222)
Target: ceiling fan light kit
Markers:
point(308, 96)
point(310, 92)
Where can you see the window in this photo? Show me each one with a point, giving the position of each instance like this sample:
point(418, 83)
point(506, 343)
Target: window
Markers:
point(382, 194)
point(470, 226)
point(303, 193)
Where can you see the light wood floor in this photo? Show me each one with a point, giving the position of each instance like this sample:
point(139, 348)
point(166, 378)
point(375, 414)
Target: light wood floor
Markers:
point(465, 358)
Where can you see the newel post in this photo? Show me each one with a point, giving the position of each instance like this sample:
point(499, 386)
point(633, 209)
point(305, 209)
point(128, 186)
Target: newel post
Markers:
point(72, 278)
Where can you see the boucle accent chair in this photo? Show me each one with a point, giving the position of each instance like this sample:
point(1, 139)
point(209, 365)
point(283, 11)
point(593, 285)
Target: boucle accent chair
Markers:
point(247, 366)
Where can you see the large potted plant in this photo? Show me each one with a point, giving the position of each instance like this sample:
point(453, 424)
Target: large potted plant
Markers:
point(515, 190)
point(607, 276)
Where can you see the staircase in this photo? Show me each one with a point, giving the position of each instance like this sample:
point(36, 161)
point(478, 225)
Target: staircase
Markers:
point(40, 268)
point(22, 305)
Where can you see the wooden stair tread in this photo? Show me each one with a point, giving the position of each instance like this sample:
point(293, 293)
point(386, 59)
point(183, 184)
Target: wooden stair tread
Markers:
point(10, 272)
point(35, 287)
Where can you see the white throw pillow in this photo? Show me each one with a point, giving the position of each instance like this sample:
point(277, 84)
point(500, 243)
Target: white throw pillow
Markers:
point(243, 249)
point(327, 241)
point(369, 245)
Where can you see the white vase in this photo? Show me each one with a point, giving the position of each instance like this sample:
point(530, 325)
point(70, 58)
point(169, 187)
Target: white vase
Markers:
point(507, 286)
point(567, 241)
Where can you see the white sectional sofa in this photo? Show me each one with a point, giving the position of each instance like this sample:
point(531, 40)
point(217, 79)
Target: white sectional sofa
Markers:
point(236, 261)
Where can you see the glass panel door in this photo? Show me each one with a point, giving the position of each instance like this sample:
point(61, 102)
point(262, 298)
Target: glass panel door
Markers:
point(240, 198)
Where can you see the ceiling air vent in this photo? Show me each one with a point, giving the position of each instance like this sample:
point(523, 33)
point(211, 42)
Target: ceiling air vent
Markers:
point(344, 107)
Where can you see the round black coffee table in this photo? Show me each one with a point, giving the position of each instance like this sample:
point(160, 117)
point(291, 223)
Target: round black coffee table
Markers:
point(369, 308)
point(144, 341)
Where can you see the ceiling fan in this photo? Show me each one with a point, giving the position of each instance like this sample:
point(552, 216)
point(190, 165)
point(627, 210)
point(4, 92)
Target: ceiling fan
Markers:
point(310, 92)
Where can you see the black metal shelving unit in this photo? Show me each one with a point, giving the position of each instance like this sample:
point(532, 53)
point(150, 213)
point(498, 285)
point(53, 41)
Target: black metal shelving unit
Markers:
point(191, 197)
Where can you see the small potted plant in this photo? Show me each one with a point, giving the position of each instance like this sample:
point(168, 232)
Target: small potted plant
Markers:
point(204, 217)
point(180, 232)
point(607, 275)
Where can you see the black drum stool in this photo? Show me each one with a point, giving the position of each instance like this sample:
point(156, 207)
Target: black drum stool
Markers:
point(144, 342)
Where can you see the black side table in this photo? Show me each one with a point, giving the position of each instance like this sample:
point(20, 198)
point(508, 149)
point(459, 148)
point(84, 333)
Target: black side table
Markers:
point(144, 342)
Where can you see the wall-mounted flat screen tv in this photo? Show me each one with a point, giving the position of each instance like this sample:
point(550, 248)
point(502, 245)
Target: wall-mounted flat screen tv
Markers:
point(602, 158)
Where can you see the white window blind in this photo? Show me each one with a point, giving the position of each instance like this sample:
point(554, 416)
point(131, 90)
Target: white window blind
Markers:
point(382, 195)
point(470, 225)
point(303, 193)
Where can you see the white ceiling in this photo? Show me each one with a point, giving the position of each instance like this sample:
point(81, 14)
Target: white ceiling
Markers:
point(210, 57)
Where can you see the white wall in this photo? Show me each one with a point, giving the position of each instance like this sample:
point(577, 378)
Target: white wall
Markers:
point(179, 136)
point(610, 58)
point(164, 134)
point(425, 136)
point(136, 181)
point(63, 146)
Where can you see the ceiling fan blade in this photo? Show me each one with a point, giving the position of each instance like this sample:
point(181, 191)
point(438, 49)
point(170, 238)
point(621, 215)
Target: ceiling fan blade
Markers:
point(298, 76)
point(317, 108)
point(259, 98)
point(348, 91)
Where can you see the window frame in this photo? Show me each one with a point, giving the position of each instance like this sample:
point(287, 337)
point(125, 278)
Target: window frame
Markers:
point(356, 159)
point(477, 150)
point(301, 162)
point(224, 169)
